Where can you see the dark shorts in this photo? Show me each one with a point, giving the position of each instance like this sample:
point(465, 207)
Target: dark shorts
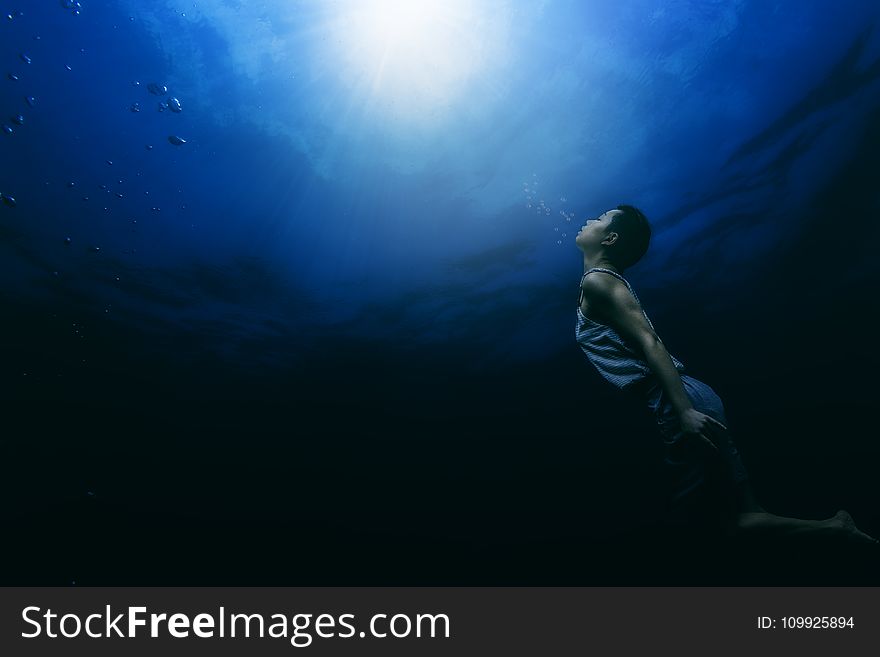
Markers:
point(700, 478)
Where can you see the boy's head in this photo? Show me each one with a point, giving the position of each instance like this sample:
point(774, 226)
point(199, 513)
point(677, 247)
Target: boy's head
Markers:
point(621, 235)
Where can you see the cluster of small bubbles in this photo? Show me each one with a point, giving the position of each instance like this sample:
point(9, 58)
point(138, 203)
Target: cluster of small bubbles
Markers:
point(157, 89)
point(542, 208)
point(530, 189)
point(159, 92)
point(18, 118)
point(172, 103)
point(74, 6)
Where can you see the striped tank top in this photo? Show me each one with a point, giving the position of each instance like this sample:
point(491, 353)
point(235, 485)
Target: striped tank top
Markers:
point(605, 349)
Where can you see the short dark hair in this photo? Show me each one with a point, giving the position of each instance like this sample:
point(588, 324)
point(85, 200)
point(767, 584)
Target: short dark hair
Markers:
point(634, 235)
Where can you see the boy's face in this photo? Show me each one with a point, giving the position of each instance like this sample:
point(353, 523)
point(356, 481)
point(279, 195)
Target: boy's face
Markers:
point(594, 231)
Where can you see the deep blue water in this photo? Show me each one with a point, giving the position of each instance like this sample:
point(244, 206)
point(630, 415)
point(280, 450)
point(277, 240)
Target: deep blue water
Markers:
point(330, 337)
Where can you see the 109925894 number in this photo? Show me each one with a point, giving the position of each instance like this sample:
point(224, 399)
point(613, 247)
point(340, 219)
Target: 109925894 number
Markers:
point(816, 622)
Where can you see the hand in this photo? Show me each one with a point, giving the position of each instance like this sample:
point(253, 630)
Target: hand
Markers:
point(704, 428)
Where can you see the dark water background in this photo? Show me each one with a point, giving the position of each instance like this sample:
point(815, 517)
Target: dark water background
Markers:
point(343, 354)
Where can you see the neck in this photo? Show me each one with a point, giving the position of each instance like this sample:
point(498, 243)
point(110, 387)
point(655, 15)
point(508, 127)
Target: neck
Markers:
point(599, 261)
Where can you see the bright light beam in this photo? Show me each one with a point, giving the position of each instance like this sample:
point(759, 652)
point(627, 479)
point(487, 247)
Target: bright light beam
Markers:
point(411, 59)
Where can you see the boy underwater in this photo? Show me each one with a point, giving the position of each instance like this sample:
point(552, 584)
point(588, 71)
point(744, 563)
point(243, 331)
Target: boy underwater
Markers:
point(710, 485)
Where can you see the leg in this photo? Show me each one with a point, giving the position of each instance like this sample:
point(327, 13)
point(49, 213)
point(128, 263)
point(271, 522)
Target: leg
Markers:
point(738, 511)
point(762, 524)
point(742, 516)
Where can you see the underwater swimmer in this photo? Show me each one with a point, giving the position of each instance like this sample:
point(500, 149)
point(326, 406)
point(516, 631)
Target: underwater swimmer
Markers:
point(710, 485)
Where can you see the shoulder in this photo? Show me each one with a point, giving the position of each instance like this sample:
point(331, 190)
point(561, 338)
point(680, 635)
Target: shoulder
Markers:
point(602, 285)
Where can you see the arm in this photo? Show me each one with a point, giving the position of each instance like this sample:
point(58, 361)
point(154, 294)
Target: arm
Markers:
point(622, 312)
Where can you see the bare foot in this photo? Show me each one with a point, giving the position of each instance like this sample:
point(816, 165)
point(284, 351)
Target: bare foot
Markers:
point(842, 520)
